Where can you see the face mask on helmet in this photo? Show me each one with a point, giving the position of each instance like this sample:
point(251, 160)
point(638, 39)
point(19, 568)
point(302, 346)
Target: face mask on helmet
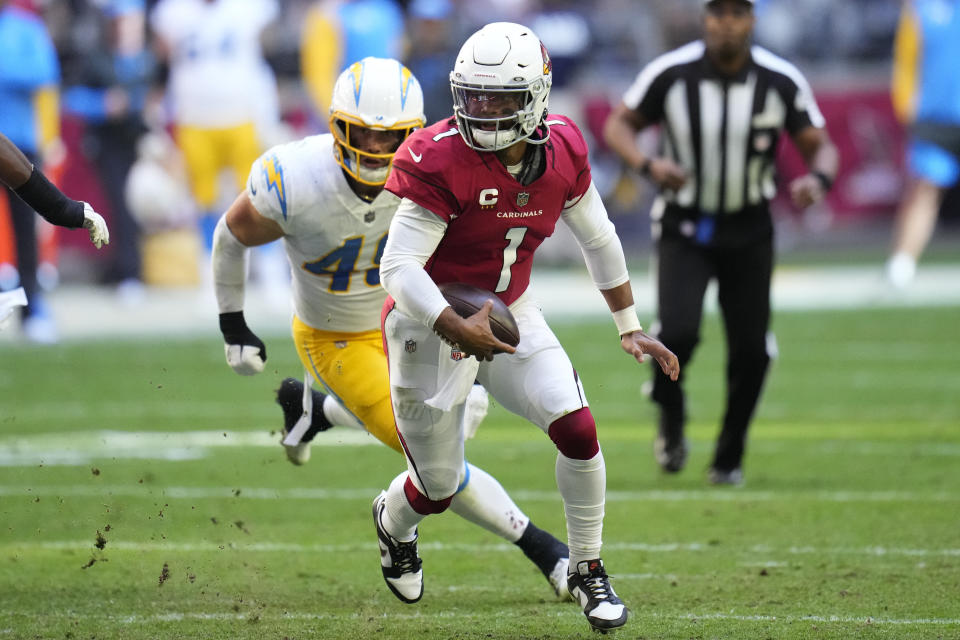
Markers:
point(376, 104)
point(366, 153)
point(501, 83)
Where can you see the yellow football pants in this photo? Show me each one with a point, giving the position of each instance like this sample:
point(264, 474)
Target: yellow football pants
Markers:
point(353, 368)
point(207, 151)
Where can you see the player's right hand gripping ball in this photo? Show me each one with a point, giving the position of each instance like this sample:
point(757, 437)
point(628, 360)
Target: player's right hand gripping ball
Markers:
point(467, 299)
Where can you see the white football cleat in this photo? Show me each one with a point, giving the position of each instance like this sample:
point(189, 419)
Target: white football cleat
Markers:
point(558, 579)
point(399, 561)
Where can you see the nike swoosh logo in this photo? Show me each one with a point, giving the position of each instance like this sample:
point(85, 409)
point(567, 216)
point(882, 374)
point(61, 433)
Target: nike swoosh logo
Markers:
point(253, 190)
point(416, 157)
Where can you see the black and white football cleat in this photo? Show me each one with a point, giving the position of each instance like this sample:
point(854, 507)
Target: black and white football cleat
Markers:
point(590, 587)
point(399, 561)
point(303, 418)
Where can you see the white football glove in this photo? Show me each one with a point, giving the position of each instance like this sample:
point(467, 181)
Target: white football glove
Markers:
point(475, 410)
point(246, 353)
point(96, 225)
point(245, 359)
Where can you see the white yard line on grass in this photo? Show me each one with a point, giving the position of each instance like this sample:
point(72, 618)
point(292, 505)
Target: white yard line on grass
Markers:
point(292, 547)
point(565, 612)
point(104, 491)
point(85, 447)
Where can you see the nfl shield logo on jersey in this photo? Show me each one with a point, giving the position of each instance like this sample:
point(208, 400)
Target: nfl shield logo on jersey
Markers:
point(457, 355)
point(523, 198)
point(410, 346)
point(369, 216)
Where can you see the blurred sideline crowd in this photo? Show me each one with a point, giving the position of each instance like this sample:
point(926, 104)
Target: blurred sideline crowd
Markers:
point(154, 110)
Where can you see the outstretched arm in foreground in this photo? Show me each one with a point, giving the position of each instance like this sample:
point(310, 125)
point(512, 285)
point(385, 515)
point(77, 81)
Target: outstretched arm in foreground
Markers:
point(32, 187)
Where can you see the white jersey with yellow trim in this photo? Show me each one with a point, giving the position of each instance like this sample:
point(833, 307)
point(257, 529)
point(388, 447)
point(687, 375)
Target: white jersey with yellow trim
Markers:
point(334, 240)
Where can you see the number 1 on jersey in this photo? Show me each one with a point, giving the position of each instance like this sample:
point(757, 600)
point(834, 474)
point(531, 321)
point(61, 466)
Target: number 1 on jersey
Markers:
point(515, 237)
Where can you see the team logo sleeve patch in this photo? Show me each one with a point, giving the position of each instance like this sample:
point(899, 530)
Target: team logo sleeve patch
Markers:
point(273, 176)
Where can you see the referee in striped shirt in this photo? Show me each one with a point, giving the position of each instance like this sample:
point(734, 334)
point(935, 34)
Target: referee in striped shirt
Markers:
point(721, 104)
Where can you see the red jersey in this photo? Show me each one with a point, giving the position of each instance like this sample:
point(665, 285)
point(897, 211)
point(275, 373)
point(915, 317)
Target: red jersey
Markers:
point(494, 223)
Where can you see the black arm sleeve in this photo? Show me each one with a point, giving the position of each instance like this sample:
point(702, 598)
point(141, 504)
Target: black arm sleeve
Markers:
point(50, 202)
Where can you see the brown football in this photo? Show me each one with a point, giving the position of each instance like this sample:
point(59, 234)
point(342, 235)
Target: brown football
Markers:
point(467, 299)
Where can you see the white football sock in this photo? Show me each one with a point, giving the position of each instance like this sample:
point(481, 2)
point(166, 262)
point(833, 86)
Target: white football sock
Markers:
point(399, 518)
point(339, 416)
point(484, 502)
point(582, 484)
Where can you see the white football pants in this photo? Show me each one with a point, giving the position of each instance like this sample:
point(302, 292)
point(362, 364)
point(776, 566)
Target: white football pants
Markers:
point(537, 382)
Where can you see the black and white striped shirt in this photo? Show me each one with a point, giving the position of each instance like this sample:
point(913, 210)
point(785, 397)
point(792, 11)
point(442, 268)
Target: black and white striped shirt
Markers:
point(723, 130)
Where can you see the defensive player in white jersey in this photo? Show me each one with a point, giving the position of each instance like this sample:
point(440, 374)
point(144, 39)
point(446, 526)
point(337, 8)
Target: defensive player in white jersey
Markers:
point(324, 197)
point(480, 193)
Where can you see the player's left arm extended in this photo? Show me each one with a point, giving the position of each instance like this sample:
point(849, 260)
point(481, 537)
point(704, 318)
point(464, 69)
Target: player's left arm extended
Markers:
point(587, 219)
point(240, 227)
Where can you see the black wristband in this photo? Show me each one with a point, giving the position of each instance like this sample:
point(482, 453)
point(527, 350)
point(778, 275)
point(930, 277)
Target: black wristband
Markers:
point(644, 168)
point(234, 327)
point(44, 198)
point(825, 181)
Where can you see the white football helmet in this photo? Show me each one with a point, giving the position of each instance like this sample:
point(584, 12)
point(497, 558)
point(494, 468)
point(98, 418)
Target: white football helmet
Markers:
point(376, 93)
point(501, 82)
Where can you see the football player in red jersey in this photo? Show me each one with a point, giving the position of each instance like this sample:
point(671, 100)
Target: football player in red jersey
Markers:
point(480, 192)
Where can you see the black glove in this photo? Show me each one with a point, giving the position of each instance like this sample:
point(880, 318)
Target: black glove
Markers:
point(246, 353)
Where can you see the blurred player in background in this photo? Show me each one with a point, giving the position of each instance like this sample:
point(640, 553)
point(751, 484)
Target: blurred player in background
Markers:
point(218, 86)
point(36, 192)
point(337, 33)
point(110, 85)
point(926, 97)
point(30, 118)
point(722, 104)
point(324, 197)
point(481, 191)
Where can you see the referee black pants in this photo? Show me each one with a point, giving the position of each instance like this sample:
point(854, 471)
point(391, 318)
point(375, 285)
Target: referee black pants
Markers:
point(743, 276)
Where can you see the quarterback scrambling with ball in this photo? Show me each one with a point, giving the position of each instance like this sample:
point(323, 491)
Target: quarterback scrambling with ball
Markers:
point(480, 192)
point(324, 197)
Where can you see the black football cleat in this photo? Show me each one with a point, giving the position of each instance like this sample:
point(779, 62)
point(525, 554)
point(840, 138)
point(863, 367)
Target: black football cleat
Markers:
point(399, 561)
point(290, 399)
point(590, 587)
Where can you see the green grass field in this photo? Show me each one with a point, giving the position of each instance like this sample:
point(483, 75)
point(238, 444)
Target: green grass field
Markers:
point(141, 496)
